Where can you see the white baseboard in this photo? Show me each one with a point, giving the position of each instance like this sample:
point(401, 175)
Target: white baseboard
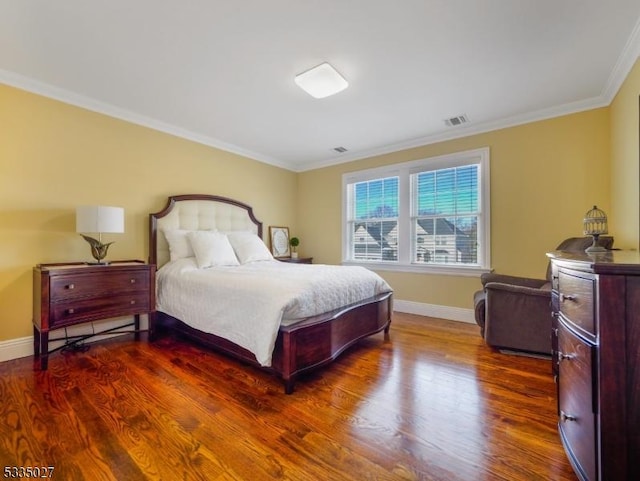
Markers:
point(23, 346)
point(433, 310)
point(15, 348)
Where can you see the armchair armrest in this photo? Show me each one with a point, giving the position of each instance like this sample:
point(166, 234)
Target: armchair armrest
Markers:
point(513, 280)
point(543, 290)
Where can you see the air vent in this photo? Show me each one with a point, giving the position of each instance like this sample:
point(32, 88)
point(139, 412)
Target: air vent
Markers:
point(340, 150)
point(455, 121)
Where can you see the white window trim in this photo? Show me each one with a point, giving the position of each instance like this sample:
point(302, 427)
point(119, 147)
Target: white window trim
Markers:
point(404, 171)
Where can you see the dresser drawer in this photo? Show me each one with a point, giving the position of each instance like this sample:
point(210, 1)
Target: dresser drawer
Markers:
point(79, 310)
point(576, 303)
point(92, 284)
point(577, 411)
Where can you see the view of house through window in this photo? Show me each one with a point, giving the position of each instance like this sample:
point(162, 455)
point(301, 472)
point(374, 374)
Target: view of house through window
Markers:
point(375, 226)
point(421, 213)
point(445, 222)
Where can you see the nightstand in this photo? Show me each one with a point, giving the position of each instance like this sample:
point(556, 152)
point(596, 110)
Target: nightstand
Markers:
point(298, 260)
point(65, 295)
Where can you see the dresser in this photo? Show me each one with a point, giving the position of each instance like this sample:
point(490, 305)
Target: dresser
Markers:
point(66, 295)
point(596, 359)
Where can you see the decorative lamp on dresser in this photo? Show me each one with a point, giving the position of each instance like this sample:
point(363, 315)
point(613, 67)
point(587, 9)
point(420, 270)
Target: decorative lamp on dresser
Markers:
point(75, 293)
point(596, 356)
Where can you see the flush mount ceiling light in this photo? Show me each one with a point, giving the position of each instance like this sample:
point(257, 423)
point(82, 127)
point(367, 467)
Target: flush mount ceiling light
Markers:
point(321, 81)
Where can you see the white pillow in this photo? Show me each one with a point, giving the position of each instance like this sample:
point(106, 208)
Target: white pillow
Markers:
point(249, 247)
point(212, 249)
point(179, 246)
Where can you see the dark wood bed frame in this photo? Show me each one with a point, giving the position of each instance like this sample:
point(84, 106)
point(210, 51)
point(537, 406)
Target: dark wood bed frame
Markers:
point(300, 347)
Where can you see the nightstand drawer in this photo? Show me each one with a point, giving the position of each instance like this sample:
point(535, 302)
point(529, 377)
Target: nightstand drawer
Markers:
point(94, 308)
point(92, 284)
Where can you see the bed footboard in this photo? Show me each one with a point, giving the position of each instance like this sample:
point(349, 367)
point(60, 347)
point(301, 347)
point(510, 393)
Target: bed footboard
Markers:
point(303, 346)
point(319, 340)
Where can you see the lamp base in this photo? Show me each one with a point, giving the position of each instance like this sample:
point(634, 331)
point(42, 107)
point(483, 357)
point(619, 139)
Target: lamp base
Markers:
point(594, 247)
point(98, 249)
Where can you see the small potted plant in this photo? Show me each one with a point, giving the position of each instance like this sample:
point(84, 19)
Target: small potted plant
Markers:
point(294, 242)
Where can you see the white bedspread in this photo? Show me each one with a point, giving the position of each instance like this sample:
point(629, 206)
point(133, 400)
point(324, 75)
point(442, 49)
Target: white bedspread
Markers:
point(246, 304)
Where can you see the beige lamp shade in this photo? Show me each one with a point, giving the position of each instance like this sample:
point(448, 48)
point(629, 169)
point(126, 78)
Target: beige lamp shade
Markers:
point(99, 219)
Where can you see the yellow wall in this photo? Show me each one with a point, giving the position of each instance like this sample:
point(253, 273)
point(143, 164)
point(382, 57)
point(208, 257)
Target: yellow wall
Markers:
point(54, 156)
point(544, 177)
point(625, 196)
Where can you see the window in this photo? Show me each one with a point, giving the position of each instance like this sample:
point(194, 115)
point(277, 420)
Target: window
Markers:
point(426, 215)
point(375, 220)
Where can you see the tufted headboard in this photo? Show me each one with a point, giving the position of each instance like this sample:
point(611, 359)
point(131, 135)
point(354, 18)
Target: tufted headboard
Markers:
point(197, 212)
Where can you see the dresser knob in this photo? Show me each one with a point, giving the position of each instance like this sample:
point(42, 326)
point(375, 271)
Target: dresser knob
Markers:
point(71, 286)
point(565, 357)
point(567, 417)
point(71, 310)
point(568, 297)
point(133, 281)
point(132, 302)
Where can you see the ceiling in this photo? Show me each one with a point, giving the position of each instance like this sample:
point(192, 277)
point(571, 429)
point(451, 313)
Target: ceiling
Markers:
point(221, 72)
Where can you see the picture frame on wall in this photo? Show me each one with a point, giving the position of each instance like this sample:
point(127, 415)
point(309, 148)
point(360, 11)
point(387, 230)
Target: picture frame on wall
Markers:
point(279, 240)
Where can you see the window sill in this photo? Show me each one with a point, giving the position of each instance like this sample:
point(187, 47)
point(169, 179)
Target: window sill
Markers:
point(462, 271)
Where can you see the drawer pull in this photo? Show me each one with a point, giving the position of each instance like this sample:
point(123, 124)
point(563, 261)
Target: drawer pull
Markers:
point(71, 310)
point(565, 357)
point(71, 286)
point(567, 417)
point(132, 302)
point(568, 297)
point(133, 281)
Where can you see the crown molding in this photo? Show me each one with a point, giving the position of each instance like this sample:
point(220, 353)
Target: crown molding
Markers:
point(461, 132)
point(623, 66)
point(46, 90)
point(626, 61)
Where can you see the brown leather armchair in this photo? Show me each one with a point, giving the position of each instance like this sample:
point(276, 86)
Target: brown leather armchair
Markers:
point(514, 313)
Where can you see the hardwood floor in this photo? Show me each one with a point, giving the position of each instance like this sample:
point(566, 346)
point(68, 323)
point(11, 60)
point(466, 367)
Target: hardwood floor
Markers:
point(433, 403)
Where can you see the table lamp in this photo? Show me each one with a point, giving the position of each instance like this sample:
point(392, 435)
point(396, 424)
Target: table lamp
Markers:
point(99, 219)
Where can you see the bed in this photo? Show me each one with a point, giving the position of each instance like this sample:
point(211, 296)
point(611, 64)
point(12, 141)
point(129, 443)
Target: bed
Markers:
point(300, 339)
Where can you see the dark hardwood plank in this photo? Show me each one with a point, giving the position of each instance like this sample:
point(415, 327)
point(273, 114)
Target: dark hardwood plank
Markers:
point(433, 402)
